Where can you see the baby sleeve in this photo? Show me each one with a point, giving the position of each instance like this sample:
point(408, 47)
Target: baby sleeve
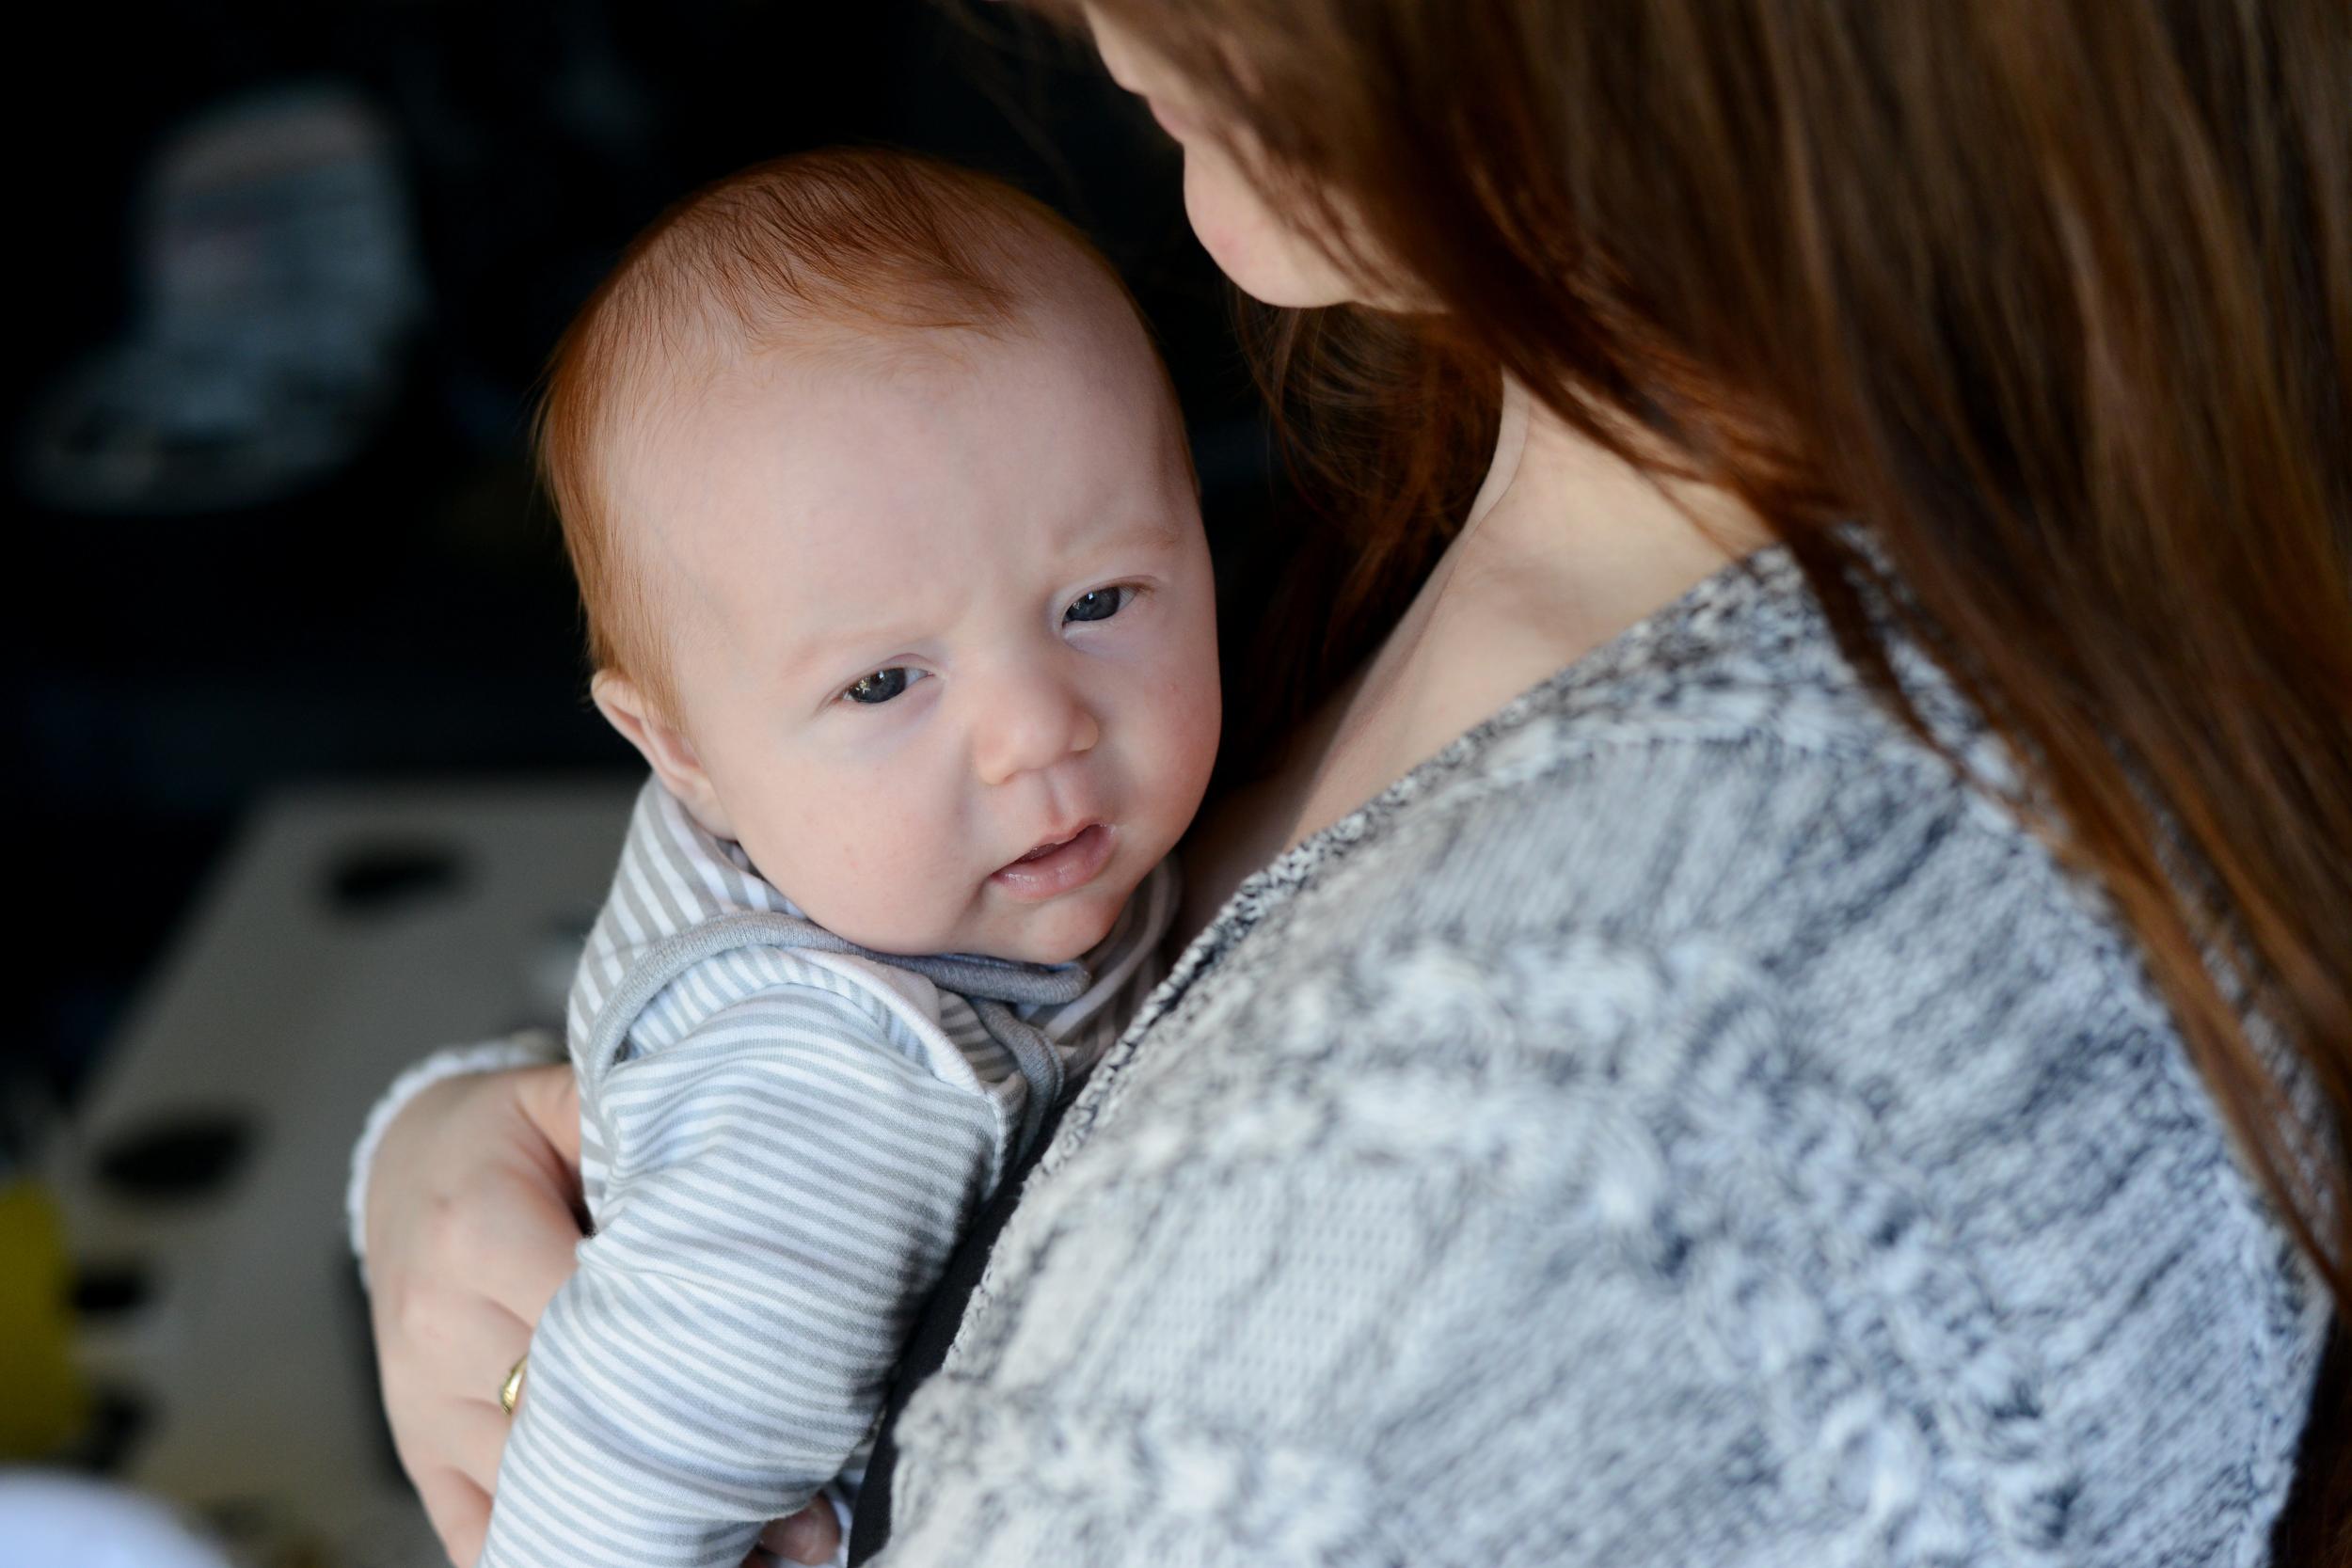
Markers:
point(783, 1186)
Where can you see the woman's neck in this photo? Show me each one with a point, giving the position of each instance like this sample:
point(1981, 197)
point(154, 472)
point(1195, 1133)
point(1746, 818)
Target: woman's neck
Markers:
point(1565, 546)
point(1590, 542)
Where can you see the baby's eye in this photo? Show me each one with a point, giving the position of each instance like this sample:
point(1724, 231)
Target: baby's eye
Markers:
point(1100, 605)
point(882, 684)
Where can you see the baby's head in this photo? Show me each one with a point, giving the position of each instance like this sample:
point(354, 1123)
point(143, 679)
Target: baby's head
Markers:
point(891, 551)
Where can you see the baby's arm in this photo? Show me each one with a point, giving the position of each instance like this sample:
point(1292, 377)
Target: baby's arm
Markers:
point(785, 1186)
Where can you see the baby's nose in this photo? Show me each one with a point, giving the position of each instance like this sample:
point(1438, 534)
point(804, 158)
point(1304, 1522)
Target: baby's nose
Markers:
point(1030, 724)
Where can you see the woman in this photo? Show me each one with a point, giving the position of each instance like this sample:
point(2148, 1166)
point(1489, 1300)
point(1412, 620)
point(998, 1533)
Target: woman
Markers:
point(1799, 1003)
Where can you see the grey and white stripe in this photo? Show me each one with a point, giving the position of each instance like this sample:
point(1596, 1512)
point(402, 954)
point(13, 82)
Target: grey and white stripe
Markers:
point(782, 1138)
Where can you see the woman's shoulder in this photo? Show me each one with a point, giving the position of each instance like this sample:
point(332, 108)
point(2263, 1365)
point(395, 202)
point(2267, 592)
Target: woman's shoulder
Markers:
point(1691, 1104)
point(1568, 1247)
point(1719, 763)
point(1590, 1246)
point(1743, 681)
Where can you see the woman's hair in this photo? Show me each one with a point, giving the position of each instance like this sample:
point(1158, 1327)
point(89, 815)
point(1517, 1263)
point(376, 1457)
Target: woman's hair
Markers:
point(2054, 295)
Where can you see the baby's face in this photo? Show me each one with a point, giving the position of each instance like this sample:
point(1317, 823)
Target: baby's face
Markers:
point(946, 645)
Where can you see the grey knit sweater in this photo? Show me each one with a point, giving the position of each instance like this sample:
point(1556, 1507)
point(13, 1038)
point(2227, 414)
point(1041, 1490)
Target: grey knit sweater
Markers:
point(1680, 1124)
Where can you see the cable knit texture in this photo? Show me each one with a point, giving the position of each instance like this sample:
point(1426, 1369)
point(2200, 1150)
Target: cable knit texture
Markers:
point(1682, 1123)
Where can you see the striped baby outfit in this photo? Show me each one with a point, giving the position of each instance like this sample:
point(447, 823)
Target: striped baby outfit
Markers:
point(782, 1137)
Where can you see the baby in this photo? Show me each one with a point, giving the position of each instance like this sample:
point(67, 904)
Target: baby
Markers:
point(894, 572)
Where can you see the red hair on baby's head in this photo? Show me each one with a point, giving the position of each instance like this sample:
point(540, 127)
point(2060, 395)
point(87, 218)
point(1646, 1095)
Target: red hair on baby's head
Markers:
point(835, 252)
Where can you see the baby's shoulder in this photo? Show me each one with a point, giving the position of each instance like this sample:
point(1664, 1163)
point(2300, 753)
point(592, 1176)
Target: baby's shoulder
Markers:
point(675, 875)
point(689, 929)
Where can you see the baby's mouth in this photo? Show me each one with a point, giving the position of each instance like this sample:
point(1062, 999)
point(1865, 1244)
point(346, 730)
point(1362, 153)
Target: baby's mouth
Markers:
point(1057, 865)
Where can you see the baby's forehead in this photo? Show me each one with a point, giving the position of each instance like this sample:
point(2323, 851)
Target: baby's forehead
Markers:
point(1058, 301)
point(822, 433)
point(1084, 340)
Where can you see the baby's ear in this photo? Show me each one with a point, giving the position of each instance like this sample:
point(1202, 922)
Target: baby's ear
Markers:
point(662, 744)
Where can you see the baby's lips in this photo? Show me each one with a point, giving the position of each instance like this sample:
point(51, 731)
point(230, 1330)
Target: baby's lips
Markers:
point(1040, 851)
point(1057, 834)
point(1056, 866)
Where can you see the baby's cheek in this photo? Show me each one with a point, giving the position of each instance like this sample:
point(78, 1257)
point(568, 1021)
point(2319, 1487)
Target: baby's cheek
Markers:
point(1184, 732)
point(895, 872)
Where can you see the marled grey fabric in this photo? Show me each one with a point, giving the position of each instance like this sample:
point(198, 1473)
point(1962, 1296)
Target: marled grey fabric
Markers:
point(1678, 1125)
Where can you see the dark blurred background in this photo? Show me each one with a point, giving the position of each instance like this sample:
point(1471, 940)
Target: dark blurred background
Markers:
point(286, 275)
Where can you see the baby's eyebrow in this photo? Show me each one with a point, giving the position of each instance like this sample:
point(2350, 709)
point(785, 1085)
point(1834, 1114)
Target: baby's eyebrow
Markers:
point(1142, 527)
point(819, 646)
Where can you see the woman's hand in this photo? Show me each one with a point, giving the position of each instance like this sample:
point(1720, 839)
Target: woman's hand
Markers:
point(471, 1220)
point(470, 1228)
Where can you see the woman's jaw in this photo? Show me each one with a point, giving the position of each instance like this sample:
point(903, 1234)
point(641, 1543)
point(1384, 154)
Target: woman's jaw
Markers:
point(1267, 256)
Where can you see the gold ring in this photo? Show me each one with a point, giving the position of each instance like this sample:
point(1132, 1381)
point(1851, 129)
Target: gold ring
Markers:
point(512, 1390)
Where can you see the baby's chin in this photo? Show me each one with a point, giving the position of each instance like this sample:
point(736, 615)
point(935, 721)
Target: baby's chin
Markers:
point(1055, 932)
point(1060, 933)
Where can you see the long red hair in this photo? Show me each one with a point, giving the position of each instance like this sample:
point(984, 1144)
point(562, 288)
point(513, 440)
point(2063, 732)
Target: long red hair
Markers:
point(2055, 294)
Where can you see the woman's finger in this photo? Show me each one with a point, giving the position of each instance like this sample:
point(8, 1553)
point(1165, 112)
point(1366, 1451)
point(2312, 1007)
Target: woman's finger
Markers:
point(512, 1241)
point(550, 1097)
point(460, 1513)
point(812, 1535)
point(458, 1346)
point(474, 1439)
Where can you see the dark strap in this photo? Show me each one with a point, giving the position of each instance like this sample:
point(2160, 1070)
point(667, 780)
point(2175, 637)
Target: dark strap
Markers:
point(926, 1347)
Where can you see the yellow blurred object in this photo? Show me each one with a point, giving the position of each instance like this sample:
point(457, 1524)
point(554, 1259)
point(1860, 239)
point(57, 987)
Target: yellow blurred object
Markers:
point(45, 1404)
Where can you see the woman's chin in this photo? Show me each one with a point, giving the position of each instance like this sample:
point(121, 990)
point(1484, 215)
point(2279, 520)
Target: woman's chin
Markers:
point(1265, 261)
